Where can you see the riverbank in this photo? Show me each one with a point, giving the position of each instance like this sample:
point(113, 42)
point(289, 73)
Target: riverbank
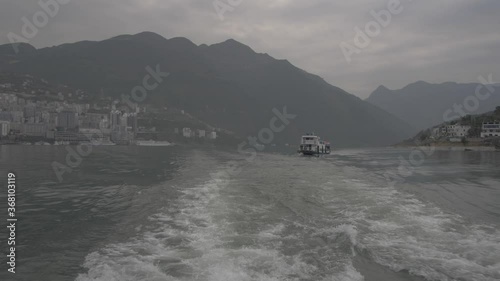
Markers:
point(446, 145)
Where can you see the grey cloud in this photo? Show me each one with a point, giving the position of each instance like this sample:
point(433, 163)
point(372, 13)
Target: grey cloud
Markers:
point(436, 41)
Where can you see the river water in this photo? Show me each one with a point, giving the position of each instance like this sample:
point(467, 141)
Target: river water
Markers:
point(173, 213)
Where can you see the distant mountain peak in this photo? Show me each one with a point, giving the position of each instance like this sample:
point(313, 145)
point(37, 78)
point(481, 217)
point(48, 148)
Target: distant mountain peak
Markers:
point(380, 92)
point(382, 88)
point(232, 54)
point(233, 44)
point(182, 41)
point(422, 104)
point(148, 34)
point(142, 36)
point(154, 39)
point(419, 83)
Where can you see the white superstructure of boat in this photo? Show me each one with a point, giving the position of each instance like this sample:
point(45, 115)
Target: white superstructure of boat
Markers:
point(313, 145)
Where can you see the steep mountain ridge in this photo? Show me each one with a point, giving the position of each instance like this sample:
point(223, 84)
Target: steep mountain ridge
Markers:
point(227, 84)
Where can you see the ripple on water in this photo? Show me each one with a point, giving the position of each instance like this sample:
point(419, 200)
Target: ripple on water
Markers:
point(193, 240)
point(419, 237)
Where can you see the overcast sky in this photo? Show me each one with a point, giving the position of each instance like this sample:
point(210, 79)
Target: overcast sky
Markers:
point(434, 41)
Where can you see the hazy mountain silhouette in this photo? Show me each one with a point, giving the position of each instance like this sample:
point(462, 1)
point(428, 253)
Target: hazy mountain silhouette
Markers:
point(227, 84)
point(423, 105)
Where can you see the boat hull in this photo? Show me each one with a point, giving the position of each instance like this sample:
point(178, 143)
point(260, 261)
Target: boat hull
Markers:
point(313, 153)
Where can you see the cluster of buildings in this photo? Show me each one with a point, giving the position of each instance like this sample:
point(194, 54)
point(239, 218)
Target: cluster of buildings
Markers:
point(457, 131)
point(451, 131)
point(196, 133)
point(60, 121)
point(490, 129)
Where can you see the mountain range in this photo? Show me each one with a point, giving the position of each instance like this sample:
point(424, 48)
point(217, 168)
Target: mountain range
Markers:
point(227, 85)
point(424, 105)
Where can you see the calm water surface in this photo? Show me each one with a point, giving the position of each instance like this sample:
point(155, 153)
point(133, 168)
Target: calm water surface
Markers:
point(171, 213)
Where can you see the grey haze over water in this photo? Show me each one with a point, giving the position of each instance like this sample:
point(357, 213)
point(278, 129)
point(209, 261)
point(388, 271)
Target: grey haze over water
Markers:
point(434, 41)
point(170, 213)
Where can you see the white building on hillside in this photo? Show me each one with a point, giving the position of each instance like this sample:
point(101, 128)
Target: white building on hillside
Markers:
point(436, 132)
point(460, 130)
point(490, 129)
point(212, 135)
point(35, 130)
point(201, 133)
point(5, 125)
point(186, 132)
point(456, 131)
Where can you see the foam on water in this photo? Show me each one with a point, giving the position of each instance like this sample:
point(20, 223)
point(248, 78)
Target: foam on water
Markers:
point(274, 232)
point(349, 230)
point(403, 233)
point(189, 242)
point(348, 274)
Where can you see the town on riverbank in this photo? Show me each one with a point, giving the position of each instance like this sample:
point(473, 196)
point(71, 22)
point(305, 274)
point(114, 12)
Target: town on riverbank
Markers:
point(34, 112)
point(481, 132)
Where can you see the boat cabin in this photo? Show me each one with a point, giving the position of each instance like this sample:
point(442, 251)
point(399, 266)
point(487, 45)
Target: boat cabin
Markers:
point(312, 144)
